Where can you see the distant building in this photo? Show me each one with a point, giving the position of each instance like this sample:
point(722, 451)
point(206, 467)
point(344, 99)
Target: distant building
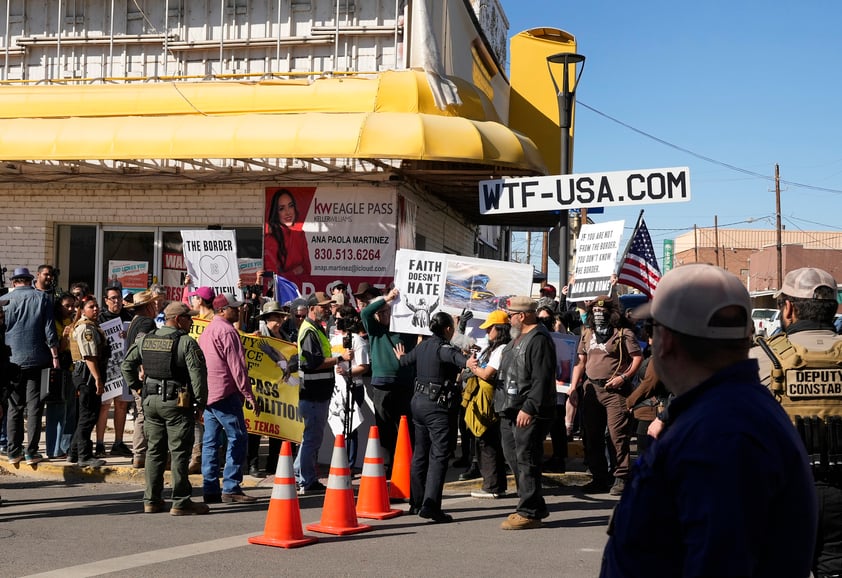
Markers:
point(752, 254)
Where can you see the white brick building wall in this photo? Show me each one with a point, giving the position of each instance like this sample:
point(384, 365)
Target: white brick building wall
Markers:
point(33, 211)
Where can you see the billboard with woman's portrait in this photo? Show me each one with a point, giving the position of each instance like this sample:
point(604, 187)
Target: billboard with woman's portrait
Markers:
point(314, 236)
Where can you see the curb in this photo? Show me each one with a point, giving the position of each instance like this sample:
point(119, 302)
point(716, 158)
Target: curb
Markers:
point(132, 476)
point(126, 474)
point(106, 474)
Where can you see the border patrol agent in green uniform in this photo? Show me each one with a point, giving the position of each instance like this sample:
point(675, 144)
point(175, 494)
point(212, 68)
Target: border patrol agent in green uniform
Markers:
point(174, 389)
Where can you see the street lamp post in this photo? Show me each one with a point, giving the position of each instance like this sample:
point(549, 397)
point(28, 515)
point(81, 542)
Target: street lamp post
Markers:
point(566, 97)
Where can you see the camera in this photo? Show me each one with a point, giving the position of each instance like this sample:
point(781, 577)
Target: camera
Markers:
point(349, 324)
point(348, 341)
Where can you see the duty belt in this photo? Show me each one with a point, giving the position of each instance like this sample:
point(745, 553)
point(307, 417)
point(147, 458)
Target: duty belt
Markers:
point(165, 387)
point(424, 387)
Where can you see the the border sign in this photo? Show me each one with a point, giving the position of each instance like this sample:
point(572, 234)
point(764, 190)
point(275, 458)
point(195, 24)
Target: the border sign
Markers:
point(562, 192)
point(211, 259)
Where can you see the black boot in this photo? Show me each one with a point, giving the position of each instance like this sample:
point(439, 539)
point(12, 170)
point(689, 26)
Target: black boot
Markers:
point(472, 473)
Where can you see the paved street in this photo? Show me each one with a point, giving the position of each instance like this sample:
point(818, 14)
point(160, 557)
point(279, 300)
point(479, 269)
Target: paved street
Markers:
point(48, 526)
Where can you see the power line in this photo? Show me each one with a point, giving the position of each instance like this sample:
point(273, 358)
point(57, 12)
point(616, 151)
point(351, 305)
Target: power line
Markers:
point(706, 158)
point(815, 223)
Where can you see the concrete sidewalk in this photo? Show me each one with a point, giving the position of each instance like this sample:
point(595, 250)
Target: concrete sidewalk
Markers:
point(119, 469)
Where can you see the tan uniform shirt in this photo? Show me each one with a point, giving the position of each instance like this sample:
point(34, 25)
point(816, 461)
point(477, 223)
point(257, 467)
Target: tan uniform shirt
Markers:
point(606, 360)
point(88, 339)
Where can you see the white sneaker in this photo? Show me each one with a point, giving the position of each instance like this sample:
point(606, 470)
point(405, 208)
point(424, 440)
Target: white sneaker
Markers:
point(483, 495)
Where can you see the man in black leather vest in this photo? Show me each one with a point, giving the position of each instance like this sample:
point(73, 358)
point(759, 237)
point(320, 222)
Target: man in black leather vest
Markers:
point(527, 407)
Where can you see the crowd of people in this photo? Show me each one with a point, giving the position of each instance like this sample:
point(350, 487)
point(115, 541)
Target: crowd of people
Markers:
point(721, 481)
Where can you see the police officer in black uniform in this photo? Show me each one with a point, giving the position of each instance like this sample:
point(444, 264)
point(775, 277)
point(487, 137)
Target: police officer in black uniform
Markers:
point(436, 393)
point(174, 390)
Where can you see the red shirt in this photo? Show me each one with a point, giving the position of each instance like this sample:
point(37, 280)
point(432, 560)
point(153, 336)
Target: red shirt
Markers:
point(225, 358)
point(297, 254)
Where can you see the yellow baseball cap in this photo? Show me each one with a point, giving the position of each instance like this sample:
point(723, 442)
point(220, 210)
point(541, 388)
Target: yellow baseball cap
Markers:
point(498, 317)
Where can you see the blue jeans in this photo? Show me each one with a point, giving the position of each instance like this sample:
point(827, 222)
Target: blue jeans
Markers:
point(71, 417)
point(226, 416)
point(54, 413)
point(4, 439)
point(314, 414)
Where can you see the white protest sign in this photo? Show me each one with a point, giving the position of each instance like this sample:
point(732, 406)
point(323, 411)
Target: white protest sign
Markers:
point(596, 257)
point(561, 192)
point(419, 277)
point(429, 282)
point(211, 259)
point(115, 385)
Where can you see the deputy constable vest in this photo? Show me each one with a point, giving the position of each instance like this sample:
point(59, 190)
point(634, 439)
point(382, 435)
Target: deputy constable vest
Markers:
point(160, 355)
point(808, 383)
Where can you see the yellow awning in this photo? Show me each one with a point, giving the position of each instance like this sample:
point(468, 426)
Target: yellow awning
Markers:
point(386, 135)
point(391, 91)
point(390, 116)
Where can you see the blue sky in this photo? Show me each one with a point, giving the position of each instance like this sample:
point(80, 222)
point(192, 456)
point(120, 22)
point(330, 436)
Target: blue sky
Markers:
point(749, 84)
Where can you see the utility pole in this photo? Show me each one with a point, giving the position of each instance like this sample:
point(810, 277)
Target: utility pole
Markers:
point(716, 237)
point(545, 254)
point(695, 243)
point(778, 225)
point(529, 247)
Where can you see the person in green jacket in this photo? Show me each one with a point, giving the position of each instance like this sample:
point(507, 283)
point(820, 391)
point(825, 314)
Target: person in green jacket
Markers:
point(391, 384)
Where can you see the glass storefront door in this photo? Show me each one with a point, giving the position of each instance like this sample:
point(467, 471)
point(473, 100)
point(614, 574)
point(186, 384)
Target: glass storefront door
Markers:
point(136, 256)
point(129, 256)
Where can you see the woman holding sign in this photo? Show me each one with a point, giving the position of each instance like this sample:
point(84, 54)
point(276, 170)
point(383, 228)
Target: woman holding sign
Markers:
point(284, 243)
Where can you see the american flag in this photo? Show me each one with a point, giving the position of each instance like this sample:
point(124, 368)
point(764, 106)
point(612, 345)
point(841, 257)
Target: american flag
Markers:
point(639, 268)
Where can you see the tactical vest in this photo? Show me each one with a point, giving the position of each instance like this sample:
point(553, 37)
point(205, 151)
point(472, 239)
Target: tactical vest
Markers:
point(160, 355)
point(104, 350)
point(318, 385)
point(808, 384)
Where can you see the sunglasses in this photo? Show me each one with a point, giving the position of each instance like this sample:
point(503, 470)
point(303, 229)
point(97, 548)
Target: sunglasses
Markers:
point(300, 316)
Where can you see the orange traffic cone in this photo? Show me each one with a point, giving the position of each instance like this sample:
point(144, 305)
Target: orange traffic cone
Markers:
point(373, 498)
point(402, 463)
point(283, 522)
point(338, 514)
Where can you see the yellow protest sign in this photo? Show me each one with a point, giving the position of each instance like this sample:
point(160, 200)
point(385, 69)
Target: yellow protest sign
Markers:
point(276, 396)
